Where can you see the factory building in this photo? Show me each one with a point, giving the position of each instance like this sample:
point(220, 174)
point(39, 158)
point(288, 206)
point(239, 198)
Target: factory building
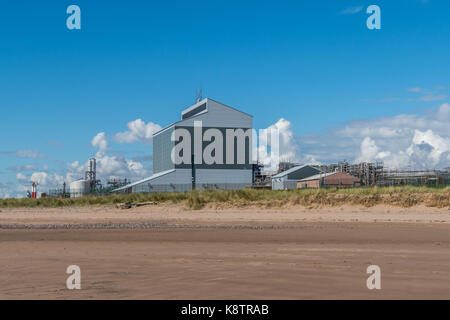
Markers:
point(330, 179)
point(88, 185)
point(288, 179)
point(415, 177)
point(209, 148)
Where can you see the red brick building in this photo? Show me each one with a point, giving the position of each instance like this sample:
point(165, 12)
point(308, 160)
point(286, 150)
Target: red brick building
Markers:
point(331, 179)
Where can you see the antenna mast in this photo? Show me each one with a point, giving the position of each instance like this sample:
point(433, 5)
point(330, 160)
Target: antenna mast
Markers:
point(198, 95)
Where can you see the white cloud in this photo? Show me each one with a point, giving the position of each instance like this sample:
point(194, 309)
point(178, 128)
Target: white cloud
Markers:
point(39, 177)
point(400, 142)
point(352, 10)
point(138, 130)
point(136, 168)
point(433, 143)
point(21, 177)
point(27, 167)
point(100, 142)
point(107, 167)
point(430, 97)
point(287, 147)
point(45, 179)
point(444, 111)
point(75, 171)
point(30, 154)
point(369, 150)
point(73, 165)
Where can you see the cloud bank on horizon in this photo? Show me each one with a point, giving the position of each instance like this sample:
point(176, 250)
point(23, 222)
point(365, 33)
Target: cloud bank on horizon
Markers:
point(401, 142)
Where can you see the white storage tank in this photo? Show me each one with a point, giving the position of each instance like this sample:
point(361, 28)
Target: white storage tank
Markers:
point(80, 188)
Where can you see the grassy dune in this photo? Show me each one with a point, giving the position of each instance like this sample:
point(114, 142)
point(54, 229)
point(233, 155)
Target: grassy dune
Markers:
point(397, 196)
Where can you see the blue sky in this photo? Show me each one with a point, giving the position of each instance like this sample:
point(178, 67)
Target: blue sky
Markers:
point(313, 64)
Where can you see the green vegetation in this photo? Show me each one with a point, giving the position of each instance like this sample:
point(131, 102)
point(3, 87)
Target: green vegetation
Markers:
point(406, 196)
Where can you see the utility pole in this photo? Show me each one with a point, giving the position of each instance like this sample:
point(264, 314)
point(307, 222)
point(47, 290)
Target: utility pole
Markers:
point(193, 171)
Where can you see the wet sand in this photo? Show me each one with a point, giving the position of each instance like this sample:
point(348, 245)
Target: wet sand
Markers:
point(226, 254)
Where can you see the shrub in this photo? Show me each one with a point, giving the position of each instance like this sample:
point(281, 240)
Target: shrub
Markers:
point(404, 196)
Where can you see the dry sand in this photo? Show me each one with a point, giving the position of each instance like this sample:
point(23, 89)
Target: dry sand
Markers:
point(249, 253)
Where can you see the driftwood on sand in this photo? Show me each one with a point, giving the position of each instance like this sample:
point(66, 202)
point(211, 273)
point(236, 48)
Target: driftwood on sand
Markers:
point(131, 204)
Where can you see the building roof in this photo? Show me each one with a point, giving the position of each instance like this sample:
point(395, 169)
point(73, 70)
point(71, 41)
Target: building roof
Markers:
point(196, 105)
point(154, 176)
point(323, 175)
point(293, 169)
point(247, 114)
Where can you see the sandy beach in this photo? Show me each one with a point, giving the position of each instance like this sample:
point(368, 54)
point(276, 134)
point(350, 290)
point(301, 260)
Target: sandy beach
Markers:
point(168, 252)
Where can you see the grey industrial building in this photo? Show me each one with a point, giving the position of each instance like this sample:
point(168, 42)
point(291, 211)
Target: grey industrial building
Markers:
point(168, 175)
point(288, 179)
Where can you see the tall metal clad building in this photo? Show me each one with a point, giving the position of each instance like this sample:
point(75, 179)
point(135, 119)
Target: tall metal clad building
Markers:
point(229, 170)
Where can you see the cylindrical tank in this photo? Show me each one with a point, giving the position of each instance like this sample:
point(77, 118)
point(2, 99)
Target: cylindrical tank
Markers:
point(79, 188)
